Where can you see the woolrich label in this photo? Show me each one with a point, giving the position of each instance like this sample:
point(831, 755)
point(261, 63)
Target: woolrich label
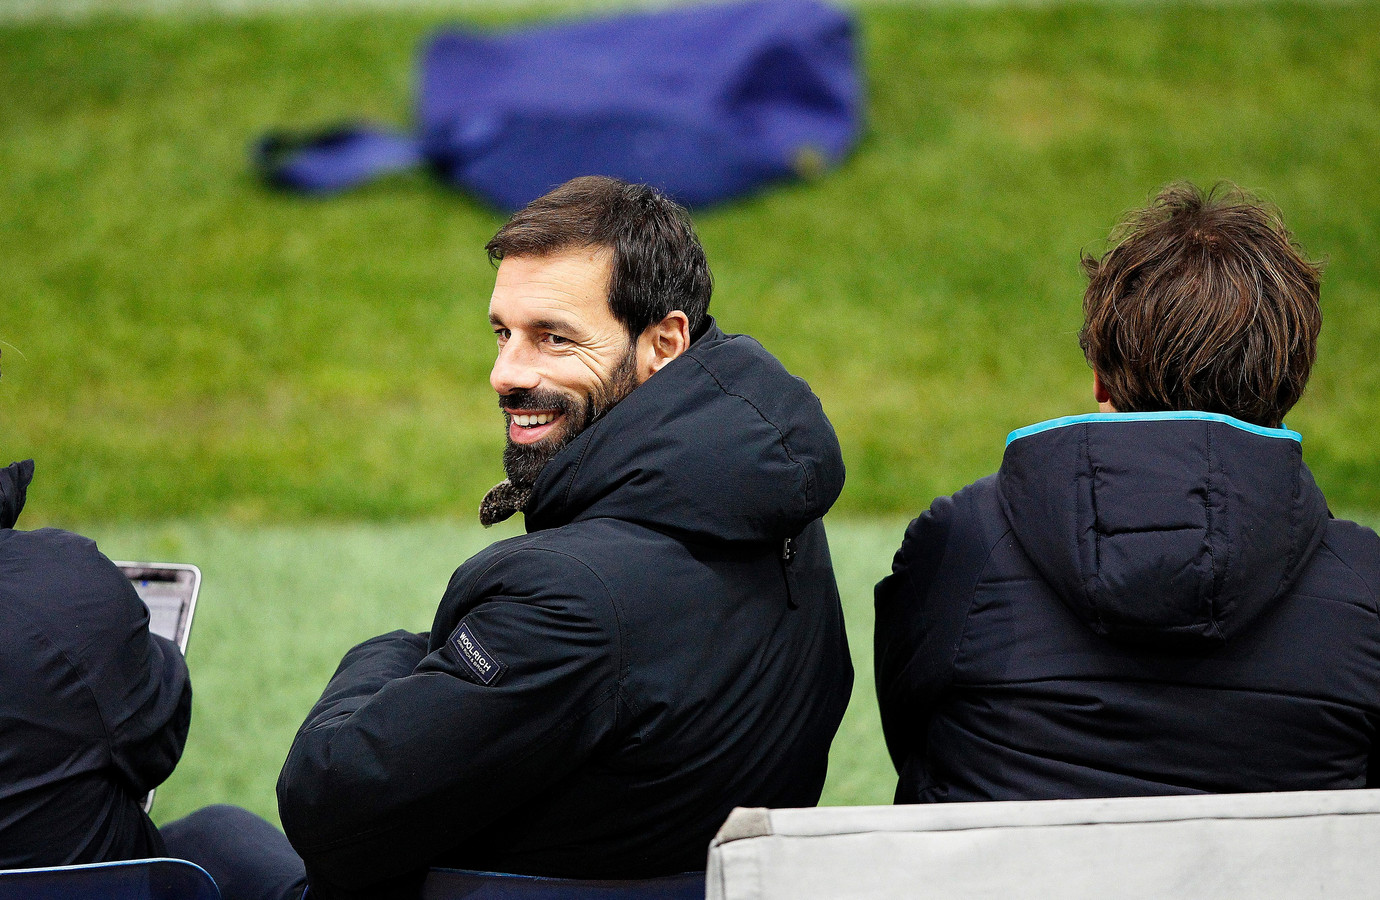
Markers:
point(481, 662)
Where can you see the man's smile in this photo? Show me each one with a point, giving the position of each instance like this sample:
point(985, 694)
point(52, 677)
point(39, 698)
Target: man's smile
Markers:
point(527, 426)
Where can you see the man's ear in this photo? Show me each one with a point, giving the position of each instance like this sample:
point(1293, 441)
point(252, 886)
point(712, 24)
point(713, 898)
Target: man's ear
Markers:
point(662, 342)
point(1104, 399)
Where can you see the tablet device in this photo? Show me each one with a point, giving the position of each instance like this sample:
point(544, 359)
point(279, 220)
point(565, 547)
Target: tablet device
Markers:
point(169, 591)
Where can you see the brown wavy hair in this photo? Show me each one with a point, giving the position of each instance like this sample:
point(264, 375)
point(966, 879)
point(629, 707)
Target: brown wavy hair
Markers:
point(1203, 302)
point(658, 263)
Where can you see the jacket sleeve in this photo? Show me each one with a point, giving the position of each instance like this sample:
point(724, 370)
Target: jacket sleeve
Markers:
point(139, 679)
point(913, 638)
point(410, 753)
point(149, 742)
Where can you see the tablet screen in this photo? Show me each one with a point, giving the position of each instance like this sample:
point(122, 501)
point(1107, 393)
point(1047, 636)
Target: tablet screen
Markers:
point(169, 590)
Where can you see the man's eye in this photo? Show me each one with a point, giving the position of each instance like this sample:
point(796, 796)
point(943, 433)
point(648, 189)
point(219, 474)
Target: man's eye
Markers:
point(557, 339)
point(503, 334)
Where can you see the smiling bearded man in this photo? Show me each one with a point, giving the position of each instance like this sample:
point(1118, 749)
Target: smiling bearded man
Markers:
point(542, 421)
point(664, 644)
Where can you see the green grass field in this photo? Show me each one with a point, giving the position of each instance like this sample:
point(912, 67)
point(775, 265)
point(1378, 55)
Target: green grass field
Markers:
point(293, 393)
point(181, 342)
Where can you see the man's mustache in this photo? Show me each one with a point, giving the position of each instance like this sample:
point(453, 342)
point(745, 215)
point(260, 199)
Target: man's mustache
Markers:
point(535, 399)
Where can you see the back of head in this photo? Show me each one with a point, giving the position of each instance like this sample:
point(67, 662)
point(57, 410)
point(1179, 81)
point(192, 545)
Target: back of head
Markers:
point(1203, 303)
point(658, 265)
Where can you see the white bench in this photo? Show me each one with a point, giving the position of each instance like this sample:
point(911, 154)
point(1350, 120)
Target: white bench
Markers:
point(1323, 844)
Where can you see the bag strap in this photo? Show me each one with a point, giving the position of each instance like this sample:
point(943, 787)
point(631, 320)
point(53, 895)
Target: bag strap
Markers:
point(329, 161)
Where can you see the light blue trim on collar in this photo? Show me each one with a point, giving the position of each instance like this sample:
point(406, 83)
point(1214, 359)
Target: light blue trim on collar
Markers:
point(1167, 416)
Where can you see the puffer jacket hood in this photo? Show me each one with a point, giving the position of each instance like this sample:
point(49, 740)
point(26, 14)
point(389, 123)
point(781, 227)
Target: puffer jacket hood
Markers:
point(14, 484)
point(1142, 525)
point(722, 444)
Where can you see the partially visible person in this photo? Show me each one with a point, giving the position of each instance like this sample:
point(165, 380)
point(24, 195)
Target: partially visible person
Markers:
point(94, 708)
point(1153, 598)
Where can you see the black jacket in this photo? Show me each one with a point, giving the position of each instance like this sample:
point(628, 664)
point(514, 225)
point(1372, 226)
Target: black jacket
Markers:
point(93, 707)
point(1135, 604)
point(595, 696)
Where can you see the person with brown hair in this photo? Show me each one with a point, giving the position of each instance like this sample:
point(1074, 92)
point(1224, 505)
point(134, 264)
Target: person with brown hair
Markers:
point(1153, 598)
point(1204, 303)
point(664, 644)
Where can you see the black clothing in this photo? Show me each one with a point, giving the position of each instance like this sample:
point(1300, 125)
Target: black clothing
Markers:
point(94, 708)
point(594, 697)
point(246, 856)
point(1134, 604)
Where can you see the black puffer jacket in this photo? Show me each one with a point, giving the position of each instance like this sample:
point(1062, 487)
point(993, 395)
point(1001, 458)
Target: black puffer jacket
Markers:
point(1135, 604)
point(595, 696)
point(93, 708)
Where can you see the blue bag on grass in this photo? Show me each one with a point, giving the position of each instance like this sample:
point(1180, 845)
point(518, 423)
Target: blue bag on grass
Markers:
point(704, 102)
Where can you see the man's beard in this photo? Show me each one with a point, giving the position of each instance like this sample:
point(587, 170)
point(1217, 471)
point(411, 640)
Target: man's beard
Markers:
point(524, 462)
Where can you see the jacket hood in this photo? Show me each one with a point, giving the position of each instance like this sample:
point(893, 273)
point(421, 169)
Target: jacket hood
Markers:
point(721, 444)
point(14, 484)
point(1168, 529)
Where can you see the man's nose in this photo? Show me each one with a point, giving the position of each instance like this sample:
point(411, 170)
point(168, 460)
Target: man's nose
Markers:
point(514, 369)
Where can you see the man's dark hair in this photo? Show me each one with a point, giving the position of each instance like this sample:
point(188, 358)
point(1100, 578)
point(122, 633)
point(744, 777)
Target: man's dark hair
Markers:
point(658, 265)
point(1204, 302)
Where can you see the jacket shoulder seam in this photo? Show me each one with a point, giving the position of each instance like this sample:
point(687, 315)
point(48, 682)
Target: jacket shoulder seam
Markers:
point(979, 571)
point(75, 669)
point(621, 635)
point(781, 436)
point(1370, 589)
point(972, 520)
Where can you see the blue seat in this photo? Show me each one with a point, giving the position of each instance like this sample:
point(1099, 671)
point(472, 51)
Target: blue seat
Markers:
point(459, 884)
point(135, 879)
